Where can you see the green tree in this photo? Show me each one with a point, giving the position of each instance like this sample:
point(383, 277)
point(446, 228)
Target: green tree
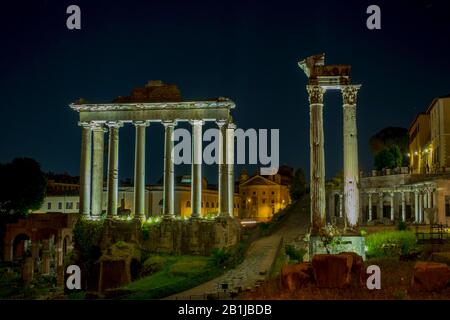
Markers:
point(22, 186)
point(298, 187)
point(389, 137)
point(388, 158)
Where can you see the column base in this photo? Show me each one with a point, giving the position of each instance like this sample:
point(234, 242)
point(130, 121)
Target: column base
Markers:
point(195, 218)
point(345, 243)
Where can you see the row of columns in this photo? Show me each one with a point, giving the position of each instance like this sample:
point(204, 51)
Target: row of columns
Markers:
point(95, 132)
point(421, 201)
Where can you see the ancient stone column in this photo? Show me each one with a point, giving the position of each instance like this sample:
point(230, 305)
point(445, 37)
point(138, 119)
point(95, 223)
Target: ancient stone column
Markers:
point(97, 170)
point(168, 188)
point(223, 175)
point(196, 169)
point(45, 267)
point(341, 205)
point(425, 204)
point(416, 206)
point(380, 205)
point(435, 198)
point(351, 171)
point(420, 208)
point(59, 251)
point(317, 158)
point(139, 170)
point(85, 168)
point(429, 199)
point(403, 207)
point(230, 167)
point(113, 168)
point(370, 207)
point(392, 206)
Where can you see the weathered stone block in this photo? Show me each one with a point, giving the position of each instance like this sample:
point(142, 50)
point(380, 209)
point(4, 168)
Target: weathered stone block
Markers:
point(117, 267)
point(332, 271)
point(441, 257)
point(430, 276)
point(296, 275)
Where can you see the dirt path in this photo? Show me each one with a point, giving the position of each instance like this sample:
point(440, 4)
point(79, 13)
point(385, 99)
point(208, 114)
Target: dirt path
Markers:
point(259, 258)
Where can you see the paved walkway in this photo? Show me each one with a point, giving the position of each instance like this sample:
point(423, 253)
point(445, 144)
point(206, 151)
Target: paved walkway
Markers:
point(259, 258)
point(254, 268)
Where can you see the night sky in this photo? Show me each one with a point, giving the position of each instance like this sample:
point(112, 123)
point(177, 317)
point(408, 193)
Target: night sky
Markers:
point(246, 51)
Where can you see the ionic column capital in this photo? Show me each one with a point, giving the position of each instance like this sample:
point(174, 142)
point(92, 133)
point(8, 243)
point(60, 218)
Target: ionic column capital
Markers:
point(231, 126)
point(197, 122)
point(350, 93)
point(86, 124)
point(169, 123)
point(315, 94)
point(221, 123)
point(141, 123)
point(114, 124)
point(99, 126)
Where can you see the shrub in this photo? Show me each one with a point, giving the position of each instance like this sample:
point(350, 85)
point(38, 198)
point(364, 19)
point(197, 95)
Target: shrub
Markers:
point(145, 233)
point(294, 253)
point(87, 236)
point(220, 257)
point(153, 264)
point(264, 227)
point(121, 244)
point(391, 243)
point(401, 226)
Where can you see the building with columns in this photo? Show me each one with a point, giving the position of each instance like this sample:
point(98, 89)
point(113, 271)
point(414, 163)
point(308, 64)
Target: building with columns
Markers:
point(419, 194)
point(267, 195)
point(156, 104)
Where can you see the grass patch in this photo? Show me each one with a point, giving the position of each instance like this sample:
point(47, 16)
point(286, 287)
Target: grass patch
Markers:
point(391, 243)
point(177, 274)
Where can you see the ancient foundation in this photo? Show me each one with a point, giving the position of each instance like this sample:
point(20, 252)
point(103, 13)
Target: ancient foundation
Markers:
point(339, 244)
point(123, 241)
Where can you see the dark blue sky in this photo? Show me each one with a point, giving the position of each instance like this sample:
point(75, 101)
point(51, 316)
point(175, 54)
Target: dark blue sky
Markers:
point(246, 50)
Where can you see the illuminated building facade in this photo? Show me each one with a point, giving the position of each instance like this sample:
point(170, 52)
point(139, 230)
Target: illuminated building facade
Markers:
point(429, 138)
